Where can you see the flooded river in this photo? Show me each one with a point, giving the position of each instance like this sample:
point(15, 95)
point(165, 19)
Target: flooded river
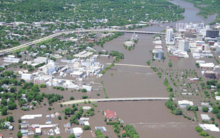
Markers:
point(150, 119)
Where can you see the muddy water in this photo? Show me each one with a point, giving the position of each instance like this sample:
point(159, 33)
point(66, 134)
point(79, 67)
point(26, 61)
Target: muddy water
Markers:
point(150, 119)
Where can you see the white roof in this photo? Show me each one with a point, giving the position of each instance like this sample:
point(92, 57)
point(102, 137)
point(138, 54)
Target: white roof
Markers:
point(205, 117)
point(77, 73)
point(77, 131)
point(158, 42)
point(84, 119)
point(210, 127)
point(217, 97)
point(200, 61)
point(86, 107)
point(38, 130)
point(185, 102)
point(159, 46)
point(86, 123)
point(207, 65)
point(31, 116)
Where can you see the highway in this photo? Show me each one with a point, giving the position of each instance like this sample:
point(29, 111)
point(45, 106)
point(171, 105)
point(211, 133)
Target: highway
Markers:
point(117, 100)
point(75, 31)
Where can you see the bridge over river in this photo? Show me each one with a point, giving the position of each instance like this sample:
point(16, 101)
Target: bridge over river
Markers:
point(5, 51)
point(117, 100)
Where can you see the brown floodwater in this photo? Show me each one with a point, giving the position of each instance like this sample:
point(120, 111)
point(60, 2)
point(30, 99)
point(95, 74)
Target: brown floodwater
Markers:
point(151, 119)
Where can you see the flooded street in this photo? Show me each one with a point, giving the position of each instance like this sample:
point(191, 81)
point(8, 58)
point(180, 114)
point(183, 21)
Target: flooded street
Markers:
point(150, 118)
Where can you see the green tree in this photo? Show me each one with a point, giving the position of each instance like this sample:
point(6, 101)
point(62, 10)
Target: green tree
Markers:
point(198, 129)
point(215, 110)
point(178, 112)
point(170, 64)
point(86, 127)
point(71, 98)
point(12, 89)
point(205, 109)
point(4, 111)
point(19, 134)
point(12, 105)
point(84, 90)
point(72, 136)
point(19, 120)
point(148, 62)
point(11, 119)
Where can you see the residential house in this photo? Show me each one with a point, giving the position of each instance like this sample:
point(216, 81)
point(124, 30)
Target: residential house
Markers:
point(110, 114)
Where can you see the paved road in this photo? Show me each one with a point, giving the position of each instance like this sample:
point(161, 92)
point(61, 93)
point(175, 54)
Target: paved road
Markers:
point(67, 32)
point(118, 99)
point(131, 65)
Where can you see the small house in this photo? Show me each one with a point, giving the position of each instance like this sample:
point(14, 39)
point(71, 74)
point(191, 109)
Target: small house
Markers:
point(110, 114)
point(38, 131)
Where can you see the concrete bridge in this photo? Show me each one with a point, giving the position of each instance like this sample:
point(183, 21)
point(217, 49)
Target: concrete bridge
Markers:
point(5, 51)
point(128, 65)
point(117, 100)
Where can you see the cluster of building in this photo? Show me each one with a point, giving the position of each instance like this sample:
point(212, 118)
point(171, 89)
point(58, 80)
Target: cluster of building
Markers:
point(48, 128)
point(195, 38)
point(200, 40)
point(211, 127)
point(177, 46)
point(11, 59)
point(50, 73)
point(131, 42)
point(158, 49)
point(83, 121)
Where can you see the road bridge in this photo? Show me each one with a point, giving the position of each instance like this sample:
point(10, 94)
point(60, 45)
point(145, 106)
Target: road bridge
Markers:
point(131, 65)
point(117, 100)
point(5, 51)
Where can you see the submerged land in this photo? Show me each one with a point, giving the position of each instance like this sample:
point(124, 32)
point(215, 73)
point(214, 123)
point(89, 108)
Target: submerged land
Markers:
point(106, 82)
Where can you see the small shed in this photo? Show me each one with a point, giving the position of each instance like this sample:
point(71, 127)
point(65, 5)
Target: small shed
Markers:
point(11, 128)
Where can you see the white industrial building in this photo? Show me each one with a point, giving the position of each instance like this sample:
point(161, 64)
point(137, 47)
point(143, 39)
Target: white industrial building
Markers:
point(181, 54)
point(210, 127)
point(205, 117)
point(88, 88)
point(31, 116)
point(207, 65)
point(159, 55)
point(48, 69)
point(40, 60)
point(183, 45)
point(218, 50)
point(11, 59)
point(77, 131)
point(27, 76)
point(129, 43)
point(185, 103)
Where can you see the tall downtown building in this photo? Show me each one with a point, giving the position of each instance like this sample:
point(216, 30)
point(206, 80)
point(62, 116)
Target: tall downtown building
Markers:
point(169, 36)
point(183, 45)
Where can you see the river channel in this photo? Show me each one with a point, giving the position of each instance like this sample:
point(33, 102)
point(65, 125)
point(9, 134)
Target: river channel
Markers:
point(150, 119)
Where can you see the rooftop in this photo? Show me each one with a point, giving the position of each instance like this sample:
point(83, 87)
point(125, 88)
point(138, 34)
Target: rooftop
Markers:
point(110, 114)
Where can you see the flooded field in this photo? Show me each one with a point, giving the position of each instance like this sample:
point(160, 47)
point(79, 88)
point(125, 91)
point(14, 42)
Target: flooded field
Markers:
point(150, 119)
